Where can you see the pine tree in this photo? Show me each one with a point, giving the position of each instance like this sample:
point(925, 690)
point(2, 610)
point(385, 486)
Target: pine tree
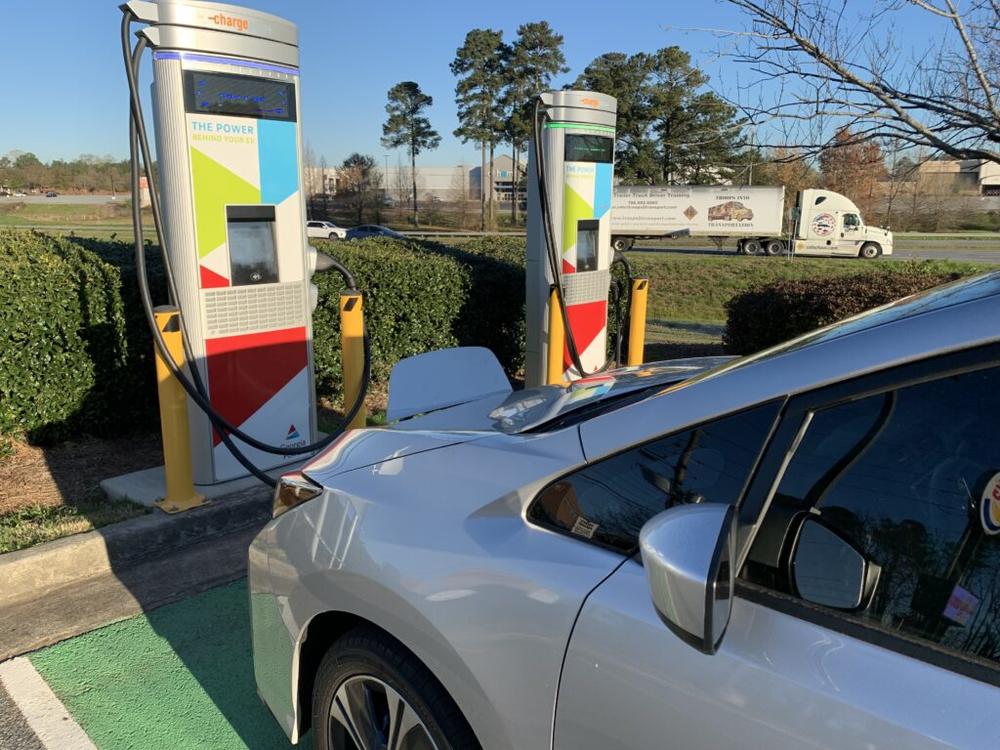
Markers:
point(534, 57)
point(408, 126)
point(669, 129)
point(479, 67)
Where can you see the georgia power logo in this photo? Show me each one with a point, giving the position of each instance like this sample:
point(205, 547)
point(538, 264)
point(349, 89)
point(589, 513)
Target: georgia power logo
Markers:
point(823, 224)
point(989, 506)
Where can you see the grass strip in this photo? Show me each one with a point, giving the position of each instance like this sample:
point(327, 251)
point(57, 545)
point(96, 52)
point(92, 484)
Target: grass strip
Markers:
point(34, 524)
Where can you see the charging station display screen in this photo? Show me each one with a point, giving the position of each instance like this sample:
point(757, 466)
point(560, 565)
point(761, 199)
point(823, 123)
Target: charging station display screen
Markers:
point(597, 148)
point(586, 244)
point(253, 257)
point(243, 96)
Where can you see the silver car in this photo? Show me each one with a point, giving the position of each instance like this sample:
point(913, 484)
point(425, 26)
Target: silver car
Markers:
point(796, 549)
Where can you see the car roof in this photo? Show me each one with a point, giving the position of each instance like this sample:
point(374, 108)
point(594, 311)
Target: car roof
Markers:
point(949, 318)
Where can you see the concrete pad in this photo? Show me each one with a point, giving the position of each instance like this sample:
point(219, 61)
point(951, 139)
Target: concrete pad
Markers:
point(149, 485)
point(79, 607)
point(29, 573)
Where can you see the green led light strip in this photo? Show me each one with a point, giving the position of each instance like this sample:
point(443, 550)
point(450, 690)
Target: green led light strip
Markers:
point(580, 126)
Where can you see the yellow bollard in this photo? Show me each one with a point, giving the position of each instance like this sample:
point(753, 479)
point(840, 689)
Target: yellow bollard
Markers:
point(637, 322)
point(174, 418)
point(557, 342)
point(352, 352)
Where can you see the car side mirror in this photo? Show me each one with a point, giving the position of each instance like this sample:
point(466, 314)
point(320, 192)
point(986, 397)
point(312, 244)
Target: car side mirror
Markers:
point(829, 570)
point(689, 553)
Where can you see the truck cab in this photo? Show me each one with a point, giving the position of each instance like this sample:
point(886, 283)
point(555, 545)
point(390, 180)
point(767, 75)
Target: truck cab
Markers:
point(828, 223)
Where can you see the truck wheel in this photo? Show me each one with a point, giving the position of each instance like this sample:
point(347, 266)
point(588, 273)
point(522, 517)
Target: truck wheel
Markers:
point(621, 244)
point(774, 247)
point(752, 247)
point(870, 251)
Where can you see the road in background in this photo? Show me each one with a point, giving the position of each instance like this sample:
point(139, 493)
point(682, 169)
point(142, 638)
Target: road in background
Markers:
point(985, 250)
point(85, 199)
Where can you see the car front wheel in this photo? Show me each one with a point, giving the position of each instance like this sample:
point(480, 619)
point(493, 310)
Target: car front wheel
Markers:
point(373, 693)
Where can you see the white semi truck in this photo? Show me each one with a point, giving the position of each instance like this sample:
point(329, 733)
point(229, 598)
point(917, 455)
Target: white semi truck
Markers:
point(822, 222)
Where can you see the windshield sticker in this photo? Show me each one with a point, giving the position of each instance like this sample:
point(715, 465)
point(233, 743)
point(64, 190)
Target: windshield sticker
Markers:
point(989, 506)
point(961, 606)
point(583, 527)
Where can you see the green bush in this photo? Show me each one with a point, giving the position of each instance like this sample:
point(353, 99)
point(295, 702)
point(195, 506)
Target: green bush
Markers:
point(767, 314)
point(77, 353)
point(492, 312)
point(68, 364)
point(412, 304)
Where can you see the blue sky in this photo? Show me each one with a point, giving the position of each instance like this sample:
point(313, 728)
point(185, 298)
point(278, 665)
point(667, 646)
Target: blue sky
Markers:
point(64, 87)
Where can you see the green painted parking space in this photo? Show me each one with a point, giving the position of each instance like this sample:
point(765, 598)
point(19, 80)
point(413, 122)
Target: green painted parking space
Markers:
point(175, 678)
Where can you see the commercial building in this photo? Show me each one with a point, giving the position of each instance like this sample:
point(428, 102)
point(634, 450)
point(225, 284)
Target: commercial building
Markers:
point(966, 175)
point(433, 182)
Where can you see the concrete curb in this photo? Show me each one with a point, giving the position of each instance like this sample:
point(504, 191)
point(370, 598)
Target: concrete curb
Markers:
point(29, 573)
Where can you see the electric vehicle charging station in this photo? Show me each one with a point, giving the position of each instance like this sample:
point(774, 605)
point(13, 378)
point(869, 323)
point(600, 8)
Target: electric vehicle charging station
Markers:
point(570, 181)
point(225, 104)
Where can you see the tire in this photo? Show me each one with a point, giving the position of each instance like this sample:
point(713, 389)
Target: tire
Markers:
point(332, 236)
point(368, 672)
point(774, 247)
point(621, 244)
point(752, 247)
point(870, 251)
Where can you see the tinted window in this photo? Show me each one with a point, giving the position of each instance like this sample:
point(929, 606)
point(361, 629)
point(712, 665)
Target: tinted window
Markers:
point(912, 479)
point(851, 220)
point(608, 502)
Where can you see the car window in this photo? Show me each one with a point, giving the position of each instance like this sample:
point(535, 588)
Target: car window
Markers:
point(911, 479)
point(609, 501)
point(851, 220)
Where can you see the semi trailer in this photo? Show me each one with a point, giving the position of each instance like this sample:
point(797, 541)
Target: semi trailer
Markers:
point(750, 219)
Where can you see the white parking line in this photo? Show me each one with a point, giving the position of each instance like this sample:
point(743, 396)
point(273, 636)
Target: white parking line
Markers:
point(45, 714)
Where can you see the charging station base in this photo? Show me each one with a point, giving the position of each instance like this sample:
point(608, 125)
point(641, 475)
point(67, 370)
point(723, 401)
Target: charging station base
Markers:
point(148, 486)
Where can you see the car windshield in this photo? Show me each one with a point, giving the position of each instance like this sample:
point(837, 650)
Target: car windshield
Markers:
point(551, 407)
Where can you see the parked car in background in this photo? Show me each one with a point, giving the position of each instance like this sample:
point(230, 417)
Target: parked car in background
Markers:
point(325, 230)
point(52, 194)
point(794, 549)
point(373, 230)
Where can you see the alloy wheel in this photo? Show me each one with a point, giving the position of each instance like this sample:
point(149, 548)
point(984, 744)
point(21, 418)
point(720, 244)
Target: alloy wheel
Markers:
point(368, 714)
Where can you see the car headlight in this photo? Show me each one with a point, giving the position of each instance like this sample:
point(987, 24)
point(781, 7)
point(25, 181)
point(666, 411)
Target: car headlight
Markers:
point(293, 489)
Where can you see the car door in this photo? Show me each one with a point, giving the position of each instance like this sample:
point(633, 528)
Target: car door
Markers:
point(904, 468)
point(850, 233)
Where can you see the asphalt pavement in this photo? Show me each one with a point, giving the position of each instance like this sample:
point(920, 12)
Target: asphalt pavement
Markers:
point(15, 734)
point(979, 250)
point(86, 199)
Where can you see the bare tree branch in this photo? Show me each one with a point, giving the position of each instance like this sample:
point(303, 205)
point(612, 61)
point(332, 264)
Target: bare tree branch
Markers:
point(836, 69)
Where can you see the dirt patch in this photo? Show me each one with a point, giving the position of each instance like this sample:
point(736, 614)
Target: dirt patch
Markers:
point(71, 472)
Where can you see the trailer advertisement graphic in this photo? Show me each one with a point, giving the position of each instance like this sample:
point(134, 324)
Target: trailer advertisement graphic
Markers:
point(706, 211)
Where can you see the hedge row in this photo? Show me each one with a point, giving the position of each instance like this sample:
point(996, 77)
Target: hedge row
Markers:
point(767, 314)
point(72, 358)
point(76, 353)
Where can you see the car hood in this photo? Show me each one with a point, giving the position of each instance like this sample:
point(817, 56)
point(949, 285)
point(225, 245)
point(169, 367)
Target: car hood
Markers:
point(496, 414)
point(357, 449)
